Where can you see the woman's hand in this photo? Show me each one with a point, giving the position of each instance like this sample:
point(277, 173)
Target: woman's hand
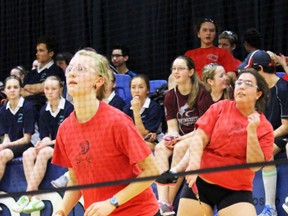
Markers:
point(136, 104)
point(191, 179)
point(253, 121)
point(171, 140)
point(99, 209)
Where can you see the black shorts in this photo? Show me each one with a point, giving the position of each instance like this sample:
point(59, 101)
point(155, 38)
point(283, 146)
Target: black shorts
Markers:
point(19, 149)
point(215, 195)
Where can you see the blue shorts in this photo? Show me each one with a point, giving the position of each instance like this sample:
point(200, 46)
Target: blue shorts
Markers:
point(215, 195)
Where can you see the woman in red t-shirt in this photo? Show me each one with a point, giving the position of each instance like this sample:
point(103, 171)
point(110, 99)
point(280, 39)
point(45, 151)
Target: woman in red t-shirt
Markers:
point(229, 133)
point(99, 143)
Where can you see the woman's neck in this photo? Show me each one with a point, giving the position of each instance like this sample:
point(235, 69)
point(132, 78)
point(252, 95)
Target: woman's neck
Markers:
point(54, 104)
point(203, 45)
point(85, 107)
point(245, 109)
point(216, 94)
point(14, 103)
point(185, 88)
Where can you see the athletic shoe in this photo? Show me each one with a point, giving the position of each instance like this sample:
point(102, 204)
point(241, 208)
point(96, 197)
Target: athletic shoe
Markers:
point(285, 205)
point(166, 209)
point(268, 211)
point(20, 204)
point(167, 178)
point(62, 181)
point(34, 205)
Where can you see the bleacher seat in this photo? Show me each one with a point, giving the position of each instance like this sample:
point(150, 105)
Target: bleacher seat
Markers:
point(280, 74)
point(122, 87)
point(14, 181)
point(154, 84)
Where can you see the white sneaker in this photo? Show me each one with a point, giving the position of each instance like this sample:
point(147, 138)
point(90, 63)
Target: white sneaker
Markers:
point(34, 205)
point(285, 205)
point(62, 181)
point(20, 204)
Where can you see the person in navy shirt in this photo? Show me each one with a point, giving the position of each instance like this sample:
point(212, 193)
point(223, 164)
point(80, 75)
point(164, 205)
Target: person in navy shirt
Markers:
point(51, 116)
point(33, 89)
point(110, 96)
point(17, 122)
point(119, 58)
point(146, 113)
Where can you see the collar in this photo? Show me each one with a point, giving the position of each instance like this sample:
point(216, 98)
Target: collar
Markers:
point(19, 105)
point(47, 66)
point(111, 96)
point(61, 105)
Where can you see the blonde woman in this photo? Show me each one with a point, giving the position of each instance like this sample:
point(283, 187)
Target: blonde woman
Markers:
point(99, 143)
point(35, 159)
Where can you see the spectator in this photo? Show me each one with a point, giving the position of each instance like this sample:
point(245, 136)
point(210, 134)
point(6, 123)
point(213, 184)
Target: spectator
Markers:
point(208, 53)
point(18, 115)
point(228, 40)
point(181, 113)
point(110, 97)
point(19, 71)
point(119, 58)
point(63, 59)
point(252, 42)
point(146, 113)
point(246, 138)
point(35, 64)
point(96, 128)
point(33, 89)
point(51, 116)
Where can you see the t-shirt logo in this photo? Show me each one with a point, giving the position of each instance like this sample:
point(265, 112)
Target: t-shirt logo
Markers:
point(83, 155)
point(186, 116)
point(20, 118)
point(212, 57)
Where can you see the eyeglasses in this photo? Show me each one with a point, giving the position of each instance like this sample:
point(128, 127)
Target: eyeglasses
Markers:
point(81, 69)
point(116, 55)
point(178, 69)
point(247, 83)
point(77, 68)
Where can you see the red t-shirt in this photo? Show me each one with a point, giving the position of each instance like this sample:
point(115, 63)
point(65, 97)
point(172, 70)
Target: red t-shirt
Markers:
point(106, 148)
point(226, 129)
point(203, 56)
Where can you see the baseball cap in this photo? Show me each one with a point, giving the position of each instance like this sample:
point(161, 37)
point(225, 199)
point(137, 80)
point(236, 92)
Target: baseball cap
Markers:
point(255, 58)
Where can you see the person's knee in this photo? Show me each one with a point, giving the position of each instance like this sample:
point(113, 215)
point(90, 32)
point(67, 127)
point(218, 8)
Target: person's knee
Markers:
point(28, 154)
point(45, 154)
point(6, 155)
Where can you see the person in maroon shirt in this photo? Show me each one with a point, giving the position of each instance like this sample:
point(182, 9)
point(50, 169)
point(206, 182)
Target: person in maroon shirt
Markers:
point(181, 112)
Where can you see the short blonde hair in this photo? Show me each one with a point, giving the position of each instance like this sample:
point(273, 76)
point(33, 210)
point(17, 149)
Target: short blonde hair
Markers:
point(101, 66)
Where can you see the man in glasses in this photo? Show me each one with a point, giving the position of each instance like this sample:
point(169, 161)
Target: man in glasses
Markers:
point(119, 58)
point(277, 114)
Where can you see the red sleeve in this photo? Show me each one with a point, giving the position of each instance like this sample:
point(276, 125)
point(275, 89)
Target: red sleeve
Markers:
point(228, 61)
